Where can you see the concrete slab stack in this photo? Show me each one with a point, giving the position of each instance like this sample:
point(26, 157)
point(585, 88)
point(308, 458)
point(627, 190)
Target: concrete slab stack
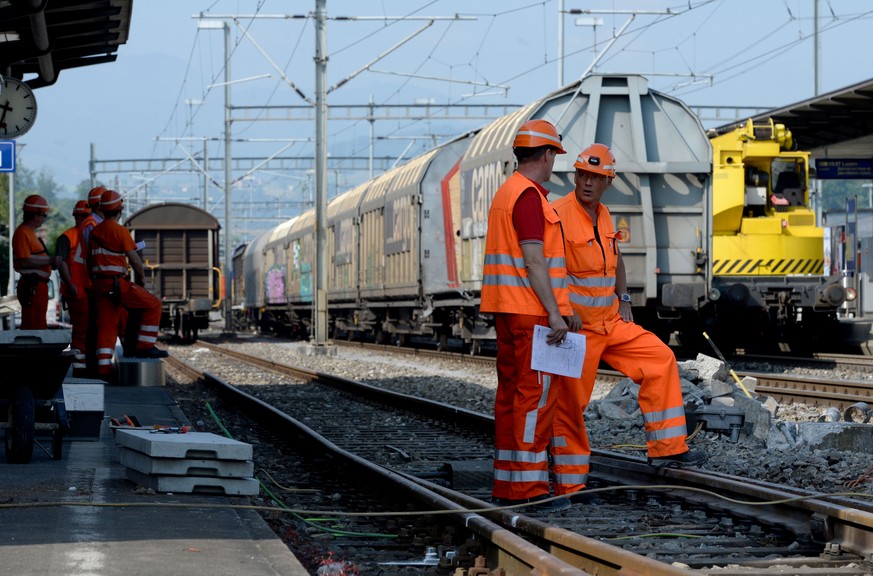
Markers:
point(188, 462)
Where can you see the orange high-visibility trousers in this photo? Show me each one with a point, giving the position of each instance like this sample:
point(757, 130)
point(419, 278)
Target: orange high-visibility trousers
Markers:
point(78, 310)
point(642, 357)
point(131, 297)
point(524, 410)
point(33, 314)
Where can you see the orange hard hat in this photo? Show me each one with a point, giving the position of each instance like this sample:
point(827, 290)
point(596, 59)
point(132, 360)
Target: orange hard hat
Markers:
point(535, 133)
point(111, 201)
point(597, 158)
point(36, 203)
point(81, 208)
point(95, 195)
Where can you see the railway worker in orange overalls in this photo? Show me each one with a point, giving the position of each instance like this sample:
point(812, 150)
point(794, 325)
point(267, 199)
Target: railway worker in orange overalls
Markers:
point(72, 260)
point(88, 224)
point(525, 284)
point(599, 296)
point(112, 248)
point(96, 215)
point(31, 260)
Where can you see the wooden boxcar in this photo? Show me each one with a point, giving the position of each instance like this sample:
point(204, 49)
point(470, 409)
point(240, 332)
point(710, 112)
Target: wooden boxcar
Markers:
point(181, 261)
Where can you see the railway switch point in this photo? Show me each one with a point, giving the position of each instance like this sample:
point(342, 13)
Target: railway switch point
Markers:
point(690, 458)
point(542, 503)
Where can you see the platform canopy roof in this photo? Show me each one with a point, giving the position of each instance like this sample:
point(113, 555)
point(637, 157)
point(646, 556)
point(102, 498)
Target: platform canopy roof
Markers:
point(44, 37)
point(838, 124)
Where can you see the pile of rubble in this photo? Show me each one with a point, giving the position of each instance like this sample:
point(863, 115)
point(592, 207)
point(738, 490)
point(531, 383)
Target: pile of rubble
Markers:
point(747, 433)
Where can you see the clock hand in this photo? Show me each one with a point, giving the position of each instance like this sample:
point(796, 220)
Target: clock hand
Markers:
point(6, 109)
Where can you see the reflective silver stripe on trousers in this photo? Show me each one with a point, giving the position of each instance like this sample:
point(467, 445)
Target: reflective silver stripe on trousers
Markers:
point(667, 433)
point(572, 459)
point(571, 478)
point(661, 415)
point(530, 419)
point(521, 475)
point(521, 456)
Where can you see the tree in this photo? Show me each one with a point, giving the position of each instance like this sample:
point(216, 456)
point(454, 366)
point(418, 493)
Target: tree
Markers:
point(836, 192)
point(27, 182)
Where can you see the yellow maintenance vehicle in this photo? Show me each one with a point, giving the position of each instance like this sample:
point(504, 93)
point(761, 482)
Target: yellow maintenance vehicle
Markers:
point(767, 250)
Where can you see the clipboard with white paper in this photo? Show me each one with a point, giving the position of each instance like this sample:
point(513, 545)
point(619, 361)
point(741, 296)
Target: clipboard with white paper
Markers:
point(564, 359)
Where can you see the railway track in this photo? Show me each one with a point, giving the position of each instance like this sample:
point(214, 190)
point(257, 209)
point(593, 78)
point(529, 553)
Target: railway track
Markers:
point(626, 504)
point(785, 388)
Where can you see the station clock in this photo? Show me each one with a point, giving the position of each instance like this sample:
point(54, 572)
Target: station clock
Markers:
point(17, 108)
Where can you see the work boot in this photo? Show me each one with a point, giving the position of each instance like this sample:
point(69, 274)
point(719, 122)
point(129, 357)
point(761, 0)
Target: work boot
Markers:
point(690, 458)
point(153, 352)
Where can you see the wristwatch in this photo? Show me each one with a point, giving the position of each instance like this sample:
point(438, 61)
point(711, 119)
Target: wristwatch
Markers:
point(625, 297)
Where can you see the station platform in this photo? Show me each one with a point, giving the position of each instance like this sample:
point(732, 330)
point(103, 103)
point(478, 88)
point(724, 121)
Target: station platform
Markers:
point(80, 515)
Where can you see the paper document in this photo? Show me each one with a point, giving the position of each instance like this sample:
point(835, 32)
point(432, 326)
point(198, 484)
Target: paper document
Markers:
point(564, 359)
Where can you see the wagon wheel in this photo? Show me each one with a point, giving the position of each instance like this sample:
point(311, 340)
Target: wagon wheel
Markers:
point(475, 347)
point(443, 344)
point(20, 426)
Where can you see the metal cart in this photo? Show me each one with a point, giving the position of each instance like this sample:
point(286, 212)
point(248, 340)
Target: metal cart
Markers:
point(33, 365)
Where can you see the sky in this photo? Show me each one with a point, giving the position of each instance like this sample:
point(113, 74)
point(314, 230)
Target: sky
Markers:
point(160, 98)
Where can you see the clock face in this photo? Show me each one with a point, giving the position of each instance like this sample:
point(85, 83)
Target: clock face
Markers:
point(17, 108)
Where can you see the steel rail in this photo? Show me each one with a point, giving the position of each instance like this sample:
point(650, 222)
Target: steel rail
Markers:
point(512, 552)
point(783, 387)
point(843, 524)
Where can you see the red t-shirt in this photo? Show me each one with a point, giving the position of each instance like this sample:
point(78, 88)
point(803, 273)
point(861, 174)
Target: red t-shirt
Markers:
point(527, 215)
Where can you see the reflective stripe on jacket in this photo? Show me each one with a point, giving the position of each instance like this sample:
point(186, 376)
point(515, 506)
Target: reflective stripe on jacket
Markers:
point(76, 261)
point(590, 264)
point(505, 285)
point(109, 244)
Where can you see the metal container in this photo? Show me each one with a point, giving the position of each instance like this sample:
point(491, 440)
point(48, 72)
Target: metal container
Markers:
point(141, 372)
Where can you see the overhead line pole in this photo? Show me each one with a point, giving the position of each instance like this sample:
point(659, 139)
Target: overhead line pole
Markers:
point(228, 187)
point(320, 292)
point(560, 43)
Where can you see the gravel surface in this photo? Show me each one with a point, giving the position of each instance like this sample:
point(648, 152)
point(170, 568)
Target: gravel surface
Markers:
point(770, 447)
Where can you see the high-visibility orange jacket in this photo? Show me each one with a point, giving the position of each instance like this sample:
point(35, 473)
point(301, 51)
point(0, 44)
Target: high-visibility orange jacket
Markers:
point(88, 224)
point(110, 242)
point(25, 244)
point(77, 262)
point(505, 285)
point(590, 264)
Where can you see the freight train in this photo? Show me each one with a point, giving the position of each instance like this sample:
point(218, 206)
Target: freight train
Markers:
point(717, 233)
point(180, 254)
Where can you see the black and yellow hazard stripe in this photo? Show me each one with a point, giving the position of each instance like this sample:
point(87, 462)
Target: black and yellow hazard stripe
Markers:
point(777, 267)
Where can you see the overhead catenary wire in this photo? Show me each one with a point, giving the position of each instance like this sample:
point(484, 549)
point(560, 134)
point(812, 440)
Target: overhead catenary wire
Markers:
point(476, 67)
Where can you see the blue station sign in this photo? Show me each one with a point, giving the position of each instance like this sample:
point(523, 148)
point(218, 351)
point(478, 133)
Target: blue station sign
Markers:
point(843, 169)
point(7, 155)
